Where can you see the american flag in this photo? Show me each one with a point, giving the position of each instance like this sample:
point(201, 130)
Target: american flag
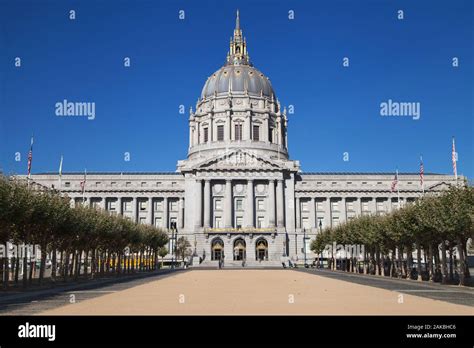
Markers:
point(454, 158)
point(422, 173)
point(30, 158)
point(395, 181)
point(83, 183)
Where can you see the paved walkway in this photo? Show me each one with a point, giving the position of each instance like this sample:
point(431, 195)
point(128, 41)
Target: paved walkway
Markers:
point(241, 292)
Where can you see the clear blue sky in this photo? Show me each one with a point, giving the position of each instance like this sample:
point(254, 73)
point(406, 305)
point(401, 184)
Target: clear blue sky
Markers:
point(337, 109)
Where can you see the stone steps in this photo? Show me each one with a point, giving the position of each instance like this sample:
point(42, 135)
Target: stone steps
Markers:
point(238, 264)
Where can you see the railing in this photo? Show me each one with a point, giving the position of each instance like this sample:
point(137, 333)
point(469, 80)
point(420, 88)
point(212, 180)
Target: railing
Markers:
point(247, 230)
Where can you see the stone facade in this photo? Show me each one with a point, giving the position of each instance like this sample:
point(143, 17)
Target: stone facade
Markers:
point(238, 193)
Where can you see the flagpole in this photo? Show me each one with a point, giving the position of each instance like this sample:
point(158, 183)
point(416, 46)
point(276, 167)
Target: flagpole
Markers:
point(30, 160)
point(84, 187)
point(454, 158)
point(60, 173)
point(422, 175)
point(398, 192)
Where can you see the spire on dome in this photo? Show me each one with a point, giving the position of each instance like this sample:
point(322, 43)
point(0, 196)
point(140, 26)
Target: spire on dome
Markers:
point(238, 54)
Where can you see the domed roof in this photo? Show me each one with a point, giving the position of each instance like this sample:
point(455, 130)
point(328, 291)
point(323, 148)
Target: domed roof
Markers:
point(238, 79)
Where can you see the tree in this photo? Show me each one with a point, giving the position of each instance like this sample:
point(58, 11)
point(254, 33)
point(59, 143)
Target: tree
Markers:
point(183, 248)
point(162, 252)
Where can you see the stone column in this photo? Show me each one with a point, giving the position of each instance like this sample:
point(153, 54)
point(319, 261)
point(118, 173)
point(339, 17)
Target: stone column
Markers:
point(280, 202)
point(312, 211)
point(150, 211)
point(358, 206)
point(343, 209)
point(198, 197)
point(119, 206)
point(265, 129)
point(327, 212)
point(181, 212)
point(134, 209)
point(249, 211)
point(207, 203)
point(165, 212)
point(271, 203)
point(372, 206)
point(104, 203)
point(298, 213)
point(228, 204)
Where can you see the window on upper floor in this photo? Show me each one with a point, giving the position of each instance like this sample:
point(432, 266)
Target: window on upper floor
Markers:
point(238, 204)
point(206, 135)
point(238, 132)
point(304, 205)
point(174, 205)
point(260, 204)
point(270, 135)
point(335, 206)
point(218, 204)
point(220, 133)
point(256, 133)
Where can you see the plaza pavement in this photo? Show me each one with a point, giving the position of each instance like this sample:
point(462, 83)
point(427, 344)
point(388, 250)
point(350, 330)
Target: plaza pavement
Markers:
point(254, 292)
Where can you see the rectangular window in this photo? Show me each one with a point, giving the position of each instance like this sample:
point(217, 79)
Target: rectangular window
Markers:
point(218, 222)
point(127, 206)
point(238, 204)
point(260, 205)
point(365, 206)
point(305, 222)
point(335, 206)
point(238, 132)
point(112, 205)
point(143, 205)
point(304, 205)
point(158, 222)
point(174, 205)
point(270, 135)
point(67, 184)
point(218, 204)
point(128, 184)
point(113, 184)
point(142, 220)
point(260, 222)
point(206, 134)
point(335, 221)
point(380, 206)
point(256, 133)
point(320, 222)
point(238, 222)
point(220, 133)
point(158, 205)
point(350, 206)
point(143, 184)
point(319, 206)
point(97, 184)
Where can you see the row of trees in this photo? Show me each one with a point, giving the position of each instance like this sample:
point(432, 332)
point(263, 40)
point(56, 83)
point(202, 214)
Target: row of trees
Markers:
point(74, 238)
point(434, 226)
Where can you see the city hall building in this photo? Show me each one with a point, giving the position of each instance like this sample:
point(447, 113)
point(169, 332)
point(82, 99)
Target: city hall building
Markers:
point(238, 194)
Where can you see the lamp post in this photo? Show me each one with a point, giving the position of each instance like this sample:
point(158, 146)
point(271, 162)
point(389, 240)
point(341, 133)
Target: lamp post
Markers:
point(304, 246)
point(321, 231)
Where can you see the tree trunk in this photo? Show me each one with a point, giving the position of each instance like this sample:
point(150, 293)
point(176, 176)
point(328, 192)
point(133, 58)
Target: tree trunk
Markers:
point(44, 253)
point(53, 264)
point(409, 260)
point(467, 274)
point(418, 260)
point(430, 262)
point(461, 264)
point(444, 265)
point(451, 264)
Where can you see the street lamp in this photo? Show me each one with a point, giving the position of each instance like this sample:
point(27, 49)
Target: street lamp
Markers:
point(304, 246)
point(321, 231)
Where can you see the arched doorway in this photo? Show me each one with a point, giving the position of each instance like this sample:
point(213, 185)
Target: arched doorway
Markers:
point(217, 249)
point(239, 249)
point(261, 250)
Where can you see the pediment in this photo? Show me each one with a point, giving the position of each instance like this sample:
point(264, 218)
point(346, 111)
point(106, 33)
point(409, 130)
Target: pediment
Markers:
point(238, 158)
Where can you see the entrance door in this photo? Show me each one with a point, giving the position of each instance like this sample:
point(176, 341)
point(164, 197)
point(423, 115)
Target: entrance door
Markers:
point(261, 250)
point(217, 249)
point(239, 249)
